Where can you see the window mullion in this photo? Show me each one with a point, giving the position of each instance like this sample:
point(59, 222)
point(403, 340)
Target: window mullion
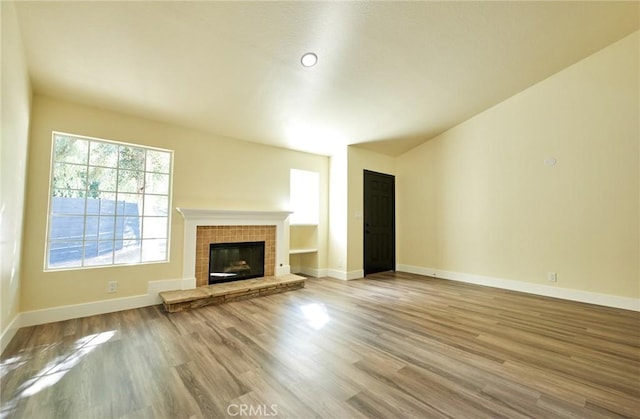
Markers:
point(86, 192)
point(144, 202)
point(115, 210)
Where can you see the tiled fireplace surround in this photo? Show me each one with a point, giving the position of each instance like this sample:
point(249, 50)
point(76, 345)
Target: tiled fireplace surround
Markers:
point(205, 226)
point(205, 235)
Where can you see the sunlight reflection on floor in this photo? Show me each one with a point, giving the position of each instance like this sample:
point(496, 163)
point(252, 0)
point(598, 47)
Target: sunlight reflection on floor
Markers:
point(316, 315)
point(53, 371)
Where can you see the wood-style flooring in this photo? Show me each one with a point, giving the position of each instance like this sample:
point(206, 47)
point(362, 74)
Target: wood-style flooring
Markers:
point(393, 345)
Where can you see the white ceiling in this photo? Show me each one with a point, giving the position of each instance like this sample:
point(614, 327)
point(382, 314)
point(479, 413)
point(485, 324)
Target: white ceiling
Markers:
point(390, 75)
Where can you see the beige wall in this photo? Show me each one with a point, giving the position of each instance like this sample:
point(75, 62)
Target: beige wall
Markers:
point(15, 115)
point(209, 172)
point(337, 260)
point(480, 200)
point(346, 204)
point(360, 160)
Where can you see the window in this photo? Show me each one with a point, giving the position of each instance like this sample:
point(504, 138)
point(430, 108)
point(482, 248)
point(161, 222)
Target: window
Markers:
point(304, 197)
point(109, 203)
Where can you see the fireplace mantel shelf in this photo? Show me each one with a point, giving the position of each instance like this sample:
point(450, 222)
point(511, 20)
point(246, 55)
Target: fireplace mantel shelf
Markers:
point(203, 213)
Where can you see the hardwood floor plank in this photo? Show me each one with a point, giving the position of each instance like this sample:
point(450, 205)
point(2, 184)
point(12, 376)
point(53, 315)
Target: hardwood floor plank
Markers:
point(392, 345)
point(392, 404)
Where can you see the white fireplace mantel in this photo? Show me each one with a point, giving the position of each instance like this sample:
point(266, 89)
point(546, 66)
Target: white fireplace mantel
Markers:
point(194, 217)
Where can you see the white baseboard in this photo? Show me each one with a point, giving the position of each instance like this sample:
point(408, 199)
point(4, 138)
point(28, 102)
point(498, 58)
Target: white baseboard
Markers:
point(607, 300)
point(55, 314)
point(345, 275)
point(9, 333)
point(313, 272)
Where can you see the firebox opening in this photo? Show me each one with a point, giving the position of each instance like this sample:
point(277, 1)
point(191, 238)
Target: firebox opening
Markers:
point(235, 261)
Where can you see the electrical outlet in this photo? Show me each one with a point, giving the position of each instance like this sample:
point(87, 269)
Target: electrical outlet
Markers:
point(112, 287)
point(552, 277)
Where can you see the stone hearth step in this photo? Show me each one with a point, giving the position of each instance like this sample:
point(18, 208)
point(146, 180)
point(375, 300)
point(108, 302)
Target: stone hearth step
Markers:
point(181, 300)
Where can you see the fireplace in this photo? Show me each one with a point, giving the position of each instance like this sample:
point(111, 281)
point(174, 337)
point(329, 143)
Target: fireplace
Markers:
point(205, 226)
point(208, 235)
point(236, 261)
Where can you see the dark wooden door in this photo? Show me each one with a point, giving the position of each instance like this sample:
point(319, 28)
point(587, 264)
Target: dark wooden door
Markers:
point(379, 222)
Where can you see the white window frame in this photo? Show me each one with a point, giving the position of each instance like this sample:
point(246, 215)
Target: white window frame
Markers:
point(142, 216)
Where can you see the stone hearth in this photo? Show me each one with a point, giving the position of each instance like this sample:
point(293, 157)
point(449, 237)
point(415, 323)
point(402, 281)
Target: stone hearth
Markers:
point(180, 300)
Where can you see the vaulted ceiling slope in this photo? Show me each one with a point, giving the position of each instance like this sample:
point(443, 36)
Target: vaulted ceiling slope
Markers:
point(390, 75)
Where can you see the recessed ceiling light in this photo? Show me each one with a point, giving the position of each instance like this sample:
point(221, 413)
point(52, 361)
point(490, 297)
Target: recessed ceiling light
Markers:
point(309, 59)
